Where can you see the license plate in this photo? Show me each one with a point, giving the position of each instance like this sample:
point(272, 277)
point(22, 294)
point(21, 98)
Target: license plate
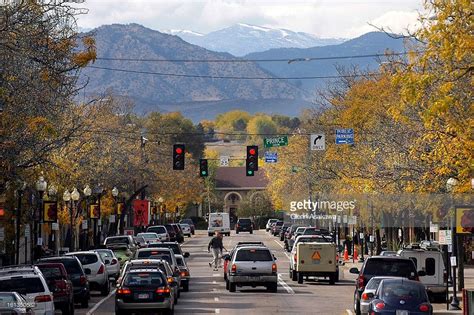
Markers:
point(142, 296)
point(402, 312)
point(256, 278)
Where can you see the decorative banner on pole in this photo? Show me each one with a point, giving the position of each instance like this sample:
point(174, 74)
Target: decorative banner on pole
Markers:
point(50, 211)
point(140, 212)
point(464, 220)
point(224, 161)
point(120, 207)
point(275, 142)
point(318, 142)
point(94, 211)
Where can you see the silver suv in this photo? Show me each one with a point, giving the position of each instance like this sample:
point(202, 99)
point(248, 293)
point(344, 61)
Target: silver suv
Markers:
point(252, 266)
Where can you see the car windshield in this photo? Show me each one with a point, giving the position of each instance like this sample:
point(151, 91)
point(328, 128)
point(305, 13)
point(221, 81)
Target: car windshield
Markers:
point(87, 259)
point(253, 255)
point(144, 279)
point(117, 240)
point(6, 298)
point(157, 229)
point(51, 273)
point(22, 285)
point(390, 267)
point(396, 290)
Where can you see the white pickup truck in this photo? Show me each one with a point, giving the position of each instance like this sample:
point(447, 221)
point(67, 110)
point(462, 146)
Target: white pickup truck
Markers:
point(314, 259)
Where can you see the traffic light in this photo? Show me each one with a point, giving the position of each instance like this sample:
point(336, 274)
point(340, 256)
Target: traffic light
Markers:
point(203, 169)
point(251, 163)
point(178, 157)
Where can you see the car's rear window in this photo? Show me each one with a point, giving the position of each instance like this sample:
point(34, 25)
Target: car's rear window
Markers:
point(51, 273)
point(148, 253)
point(149, 236)
point(87, 259)
point(180, 261)
point(390, 267)
point(253, 255)
point(157, 229)
point(144, 279)
point(71, 265)
point(246, 221)
point(280, 223)
point(117, 240)
point(394, 291)
point(174, 247)
point(22, 285)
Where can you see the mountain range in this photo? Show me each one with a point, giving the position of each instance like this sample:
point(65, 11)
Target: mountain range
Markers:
point(154, 75)
point(242, 39)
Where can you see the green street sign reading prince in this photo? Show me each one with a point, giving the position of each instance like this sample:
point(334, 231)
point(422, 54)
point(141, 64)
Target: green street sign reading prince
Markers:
point(275, 142)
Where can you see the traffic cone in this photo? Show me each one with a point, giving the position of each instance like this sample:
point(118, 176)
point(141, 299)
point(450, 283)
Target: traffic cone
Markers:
point(356, 255)
point(346, 253)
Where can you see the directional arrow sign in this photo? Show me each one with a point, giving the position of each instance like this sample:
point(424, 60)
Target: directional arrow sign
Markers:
point(318, 142)
point(271, 157)
point(344, 136)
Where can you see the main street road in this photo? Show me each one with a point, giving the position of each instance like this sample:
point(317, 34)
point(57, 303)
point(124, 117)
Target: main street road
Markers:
point(207, 293)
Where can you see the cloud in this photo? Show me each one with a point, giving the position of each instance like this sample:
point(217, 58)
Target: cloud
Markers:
point(325, 18)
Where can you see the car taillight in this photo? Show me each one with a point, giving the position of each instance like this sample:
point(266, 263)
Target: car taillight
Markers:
point(114, 261)
point(365, 297)
point(233, 268)
point(184, 273)
point(170, 280)
point(295, 259)
point(424, 308)
point(380, 305)
point(101, 269)
point(360, 282)
point(274, 268)
point(82, 280)
point(43, 298)
point(124, 291)
point(163, 291)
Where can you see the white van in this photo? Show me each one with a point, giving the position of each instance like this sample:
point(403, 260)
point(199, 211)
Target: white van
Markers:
point(432, 263)
point(218, 222)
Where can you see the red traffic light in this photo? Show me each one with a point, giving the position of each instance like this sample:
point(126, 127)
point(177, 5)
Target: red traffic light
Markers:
point(179, 150)
point(252, 151)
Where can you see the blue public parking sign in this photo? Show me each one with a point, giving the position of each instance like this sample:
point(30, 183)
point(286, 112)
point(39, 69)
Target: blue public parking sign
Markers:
point(271, 157)
point(344, 136)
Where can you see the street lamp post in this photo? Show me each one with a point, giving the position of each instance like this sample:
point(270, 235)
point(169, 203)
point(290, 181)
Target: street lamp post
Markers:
point(98, 191)
point(41, 186)
point(52, 192)
point(21, 189)
point(115, 193)
point(67, 198)
point(87, 193)
point(454, 305)
point(74, 198)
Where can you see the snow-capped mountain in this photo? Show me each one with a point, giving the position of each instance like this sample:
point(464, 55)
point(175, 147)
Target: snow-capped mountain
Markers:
point(241, 39)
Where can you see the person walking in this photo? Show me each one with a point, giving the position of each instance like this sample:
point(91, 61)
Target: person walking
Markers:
point(217, 246)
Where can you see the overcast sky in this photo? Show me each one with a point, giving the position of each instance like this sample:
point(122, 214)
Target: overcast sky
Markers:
point(330, 18)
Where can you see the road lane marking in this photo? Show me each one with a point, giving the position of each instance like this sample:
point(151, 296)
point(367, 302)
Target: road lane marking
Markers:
point(216, 299)
point(215, 274)
point(284, 285)
point(279, 244)
point(349, 312)
point(92, 310)
point(214, 282)
point(218, 310)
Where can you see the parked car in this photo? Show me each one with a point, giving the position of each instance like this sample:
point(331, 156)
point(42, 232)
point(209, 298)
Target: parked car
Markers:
point(283, 230)
point(111, 261)
point(190, 223)
point(269, 224)
point(244, 225)
point(392, 266)
point(14, 303)
point(276, 228)
point(172, 245)
point(184, 272)
point(77, 274)
point(60, 285)
point(144, 289)
point(432, 263)
point(98, 276)
point(150, 237)
point(160, 264)
point(31, 284)
point(401, 297)
point(161, 231)
point(252, 266)
point(186, 229)
point(369, 293)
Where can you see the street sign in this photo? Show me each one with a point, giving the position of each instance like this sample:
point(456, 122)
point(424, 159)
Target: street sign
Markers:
point(275, 142)
point(55, 226)
point(27, 231)
point(84, 224)
point(271, 157)
point(316, 256)
point(224, 161)
point(344, 136)
point(112, 218)
point(434, 228)
point(2, 234)
point(454, 262)
point(318, 142)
